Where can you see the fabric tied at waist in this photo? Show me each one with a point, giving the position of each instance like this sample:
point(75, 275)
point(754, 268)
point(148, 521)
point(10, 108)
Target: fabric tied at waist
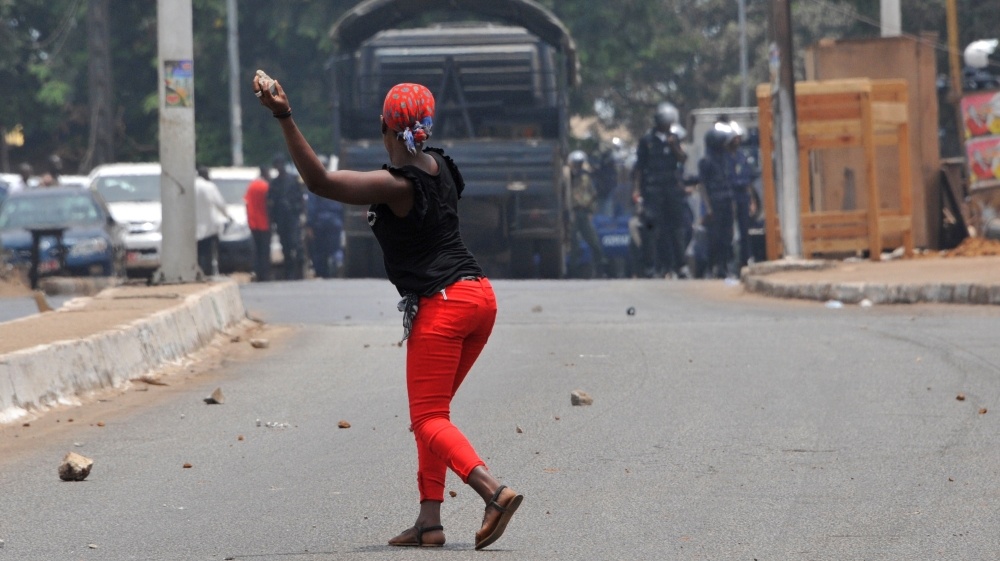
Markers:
point(409, 306)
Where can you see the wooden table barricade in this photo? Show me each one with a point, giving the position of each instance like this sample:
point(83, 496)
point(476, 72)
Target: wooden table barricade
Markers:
point(839, 114)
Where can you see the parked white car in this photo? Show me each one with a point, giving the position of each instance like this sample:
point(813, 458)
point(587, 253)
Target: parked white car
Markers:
point(132, 192)
point(232, 183)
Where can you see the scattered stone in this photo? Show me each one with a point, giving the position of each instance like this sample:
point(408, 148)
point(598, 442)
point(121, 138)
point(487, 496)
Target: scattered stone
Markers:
point(519, 430)
point(580, 397)
point(258, 422)
point(630, 311)
point(344, 425)
point(453, 494)
point(536, 309)
point(75, 467)
point(1, 544)
point(152, 381)
point(834, 304)
point(960, 397)
point(100, 423)
point(276, 425)
point(92, 545)
point(240, 438)
point(260, 343)
point(982, 411)
point(557, 417)
point(188, 466)
point(235, 339)
point(216, 398)
point(866, 303)
point(26, 425)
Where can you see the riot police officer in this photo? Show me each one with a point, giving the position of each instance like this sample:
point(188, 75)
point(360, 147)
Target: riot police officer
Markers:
point(715, 174)
point(743, 171)
point(660, 191)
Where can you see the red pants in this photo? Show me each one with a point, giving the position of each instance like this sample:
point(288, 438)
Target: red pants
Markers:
point(450, 330)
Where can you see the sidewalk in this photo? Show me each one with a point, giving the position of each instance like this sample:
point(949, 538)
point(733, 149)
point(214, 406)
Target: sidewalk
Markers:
point(949, 280)
point(104, 341)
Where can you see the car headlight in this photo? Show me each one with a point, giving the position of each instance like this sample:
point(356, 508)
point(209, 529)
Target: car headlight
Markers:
point(88, 247)
point(143, 227)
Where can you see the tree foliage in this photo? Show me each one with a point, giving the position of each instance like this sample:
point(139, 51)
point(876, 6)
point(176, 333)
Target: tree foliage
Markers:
point(633, 54)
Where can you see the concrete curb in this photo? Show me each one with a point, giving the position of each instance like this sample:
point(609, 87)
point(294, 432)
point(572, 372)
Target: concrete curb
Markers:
point(56, 373)
point(755, 279)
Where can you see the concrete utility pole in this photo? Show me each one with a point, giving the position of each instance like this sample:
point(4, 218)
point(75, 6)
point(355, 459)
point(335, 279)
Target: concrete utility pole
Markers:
point(786, 138)
point(179, 255)
point(891, 18)
point(235, 108)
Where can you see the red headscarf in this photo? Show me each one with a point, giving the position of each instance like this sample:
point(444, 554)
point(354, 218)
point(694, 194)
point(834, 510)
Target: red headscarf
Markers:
point(409, 111)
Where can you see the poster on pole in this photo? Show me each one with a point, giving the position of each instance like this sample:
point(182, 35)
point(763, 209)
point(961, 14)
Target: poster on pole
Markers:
point(983, 156)
point(178, 78)
point(981, 114)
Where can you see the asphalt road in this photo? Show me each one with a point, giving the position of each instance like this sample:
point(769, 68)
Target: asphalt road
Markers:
point(14, 307)
point(723, 426)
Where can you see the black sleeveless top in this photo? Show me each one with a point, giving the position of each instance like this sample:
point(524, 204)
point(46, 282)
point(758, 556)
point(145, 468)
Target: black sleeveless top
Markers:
point(423, 251)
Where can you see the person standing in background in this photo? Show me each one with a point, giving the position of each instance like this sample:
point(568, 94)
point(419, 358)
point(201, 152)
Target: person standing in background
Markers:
point(582, 197)
point(715, 177)
point(285, 202)
point(324, 224)
point(260, 225)
point(660, 193)
point(744, 173)
point(211, 219)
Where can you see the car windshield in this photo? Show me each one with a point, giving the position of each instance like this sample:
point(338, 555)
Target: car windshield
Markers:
point(232, 189)
point(62, 209)
point(129, 188)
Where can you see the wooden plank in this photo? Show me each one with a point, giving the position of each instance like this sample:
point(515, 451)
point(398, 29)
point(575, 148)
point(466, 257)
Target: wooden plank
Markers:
point(860, 232)
point(836, 217)
point(896, 224)
point(891, 113)
point(834, 86)
point(837, 127)
point(837, 246)
point(824, 142)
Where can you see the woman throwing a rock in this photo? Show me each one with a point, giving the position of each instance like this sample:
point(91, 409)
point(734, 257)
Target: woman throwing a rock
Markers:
point(448, 304)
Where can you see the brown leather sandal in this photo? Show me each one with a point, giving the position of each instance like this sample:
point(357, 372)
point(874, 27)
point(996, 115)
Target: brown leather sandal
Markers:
point(491, 532)
point(419, 542)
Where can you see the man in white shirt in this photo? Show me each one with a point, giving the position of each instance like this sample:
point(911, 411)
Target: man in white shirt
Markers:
point(210, 221)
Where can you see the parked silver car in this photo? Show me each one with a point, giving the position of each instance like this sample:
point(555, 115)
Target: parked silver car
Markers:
point(133, 195)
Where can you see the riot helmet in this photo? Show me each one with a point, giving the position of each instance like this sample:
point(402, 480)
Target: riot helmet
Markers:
point(577, 157)
point(719, 136)
point(666, 115)
point(977, 53)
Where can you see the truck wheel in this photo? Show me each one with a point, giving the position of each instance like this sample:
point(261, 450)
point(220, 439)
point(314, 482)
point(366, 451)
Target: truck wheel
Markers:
point(552, 259)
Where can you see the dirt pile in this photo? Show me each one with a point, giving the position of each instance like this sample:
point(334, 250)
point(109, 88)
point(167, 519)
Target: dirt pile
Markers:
point(975, 247)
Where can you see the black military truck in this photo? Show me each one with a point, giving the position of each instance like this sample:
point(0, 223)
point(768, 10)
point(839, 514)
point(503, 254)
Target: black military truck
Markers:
point(501, 95)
